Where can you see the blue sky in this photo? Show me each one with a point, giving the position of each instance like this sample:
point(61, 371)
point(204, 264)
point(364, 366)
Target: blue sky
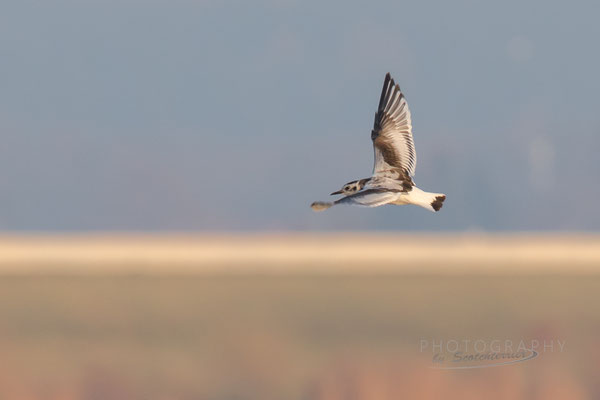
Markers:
point(230, 115)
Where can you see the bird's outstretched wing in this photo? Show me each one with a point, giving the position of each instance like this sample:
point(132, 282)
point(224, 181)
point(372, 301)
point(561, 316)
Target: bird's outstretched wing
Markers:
point(395, 155)
point(369, 198)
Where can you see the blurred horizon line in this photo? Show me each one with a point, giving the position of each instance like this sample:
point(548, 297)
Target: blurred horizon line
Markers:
point(292, 232)
point(300, 253)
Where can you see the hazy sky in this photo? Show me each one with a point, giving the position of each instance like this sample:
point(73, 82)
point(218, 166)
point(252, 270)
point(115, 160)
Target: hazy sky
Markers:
point(236, 115)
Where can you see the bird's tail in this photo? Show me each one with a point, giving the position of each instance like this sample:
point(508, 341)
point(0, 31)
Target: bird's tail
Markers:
point(430, 201)
point(321, 205)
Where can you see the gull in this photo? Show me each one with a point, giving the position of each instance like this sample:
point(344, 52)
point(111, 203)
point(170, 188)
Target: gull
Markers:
point(395, 161)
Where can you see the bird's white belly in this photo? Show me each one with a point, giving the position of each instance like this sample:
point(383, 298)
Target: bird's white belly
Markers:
point(402, 200)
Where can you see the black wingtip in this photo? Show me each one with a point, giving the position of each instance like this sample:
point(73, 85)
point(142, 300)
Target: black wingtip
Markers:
point(385, 91)
point(388, 77)
point(388, 80)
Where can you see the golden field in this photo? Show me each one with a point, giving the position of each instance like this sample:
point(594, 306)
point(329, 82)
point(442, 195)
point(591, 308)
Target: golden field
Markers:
point(322, 317)
point(299, 253)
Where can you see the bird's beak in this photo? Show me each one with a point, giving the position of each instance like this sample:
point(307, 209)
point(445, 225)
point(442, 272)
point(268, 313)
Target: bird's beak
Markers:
point(338, 192)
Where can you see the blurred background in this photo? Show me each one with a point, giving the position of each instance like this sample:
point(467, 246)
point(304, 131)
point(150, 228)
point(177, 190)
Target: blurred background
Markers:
point(157, 164)
point(229, 115)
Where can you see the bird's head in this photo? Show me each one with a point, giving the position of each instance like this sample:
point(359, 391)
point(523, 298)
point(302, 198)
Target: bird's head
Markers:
point(351, 187)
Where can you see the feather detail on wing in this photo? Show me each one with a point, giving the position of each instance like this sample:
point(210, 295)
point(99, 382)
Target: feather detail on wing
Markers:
point(369, 198)
point(395, 155)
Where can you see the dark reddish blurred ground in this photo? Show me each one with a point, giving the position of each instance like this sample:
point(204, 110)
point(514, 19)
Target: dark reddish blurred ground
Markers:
point(290, 337)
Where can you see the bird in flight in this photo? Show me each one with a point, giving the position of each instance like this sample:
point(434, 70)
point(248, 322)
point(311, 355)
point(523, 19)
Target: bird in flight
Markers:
point(395, 161)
